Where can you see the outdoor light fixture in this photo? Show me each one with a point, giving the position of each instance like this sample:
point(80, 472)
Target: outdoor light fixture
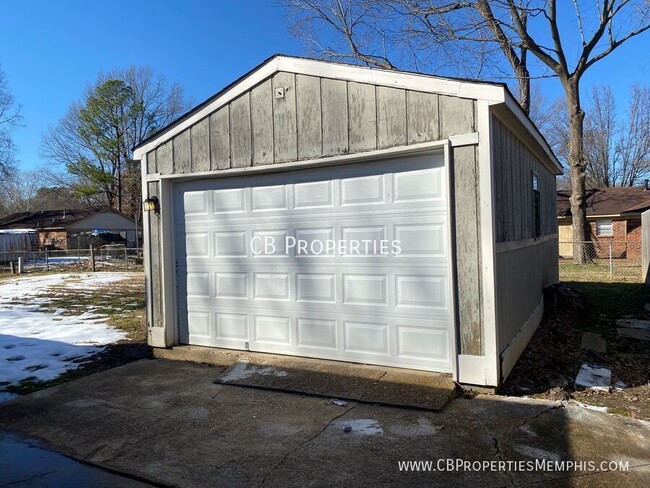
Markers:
point(150, 204)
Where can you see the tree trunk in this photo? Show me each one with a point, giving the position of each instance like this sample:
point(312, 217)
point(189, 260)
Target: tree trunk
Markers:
point(523, 80)
point(578, 166)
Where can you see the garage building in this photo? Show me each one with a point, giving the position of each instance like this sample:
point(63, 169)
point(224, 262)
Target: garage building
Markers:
point(334, 211)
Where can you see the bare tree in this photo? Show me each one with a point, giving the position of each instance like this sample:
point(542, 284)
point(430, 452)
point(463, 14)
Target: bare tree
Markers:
point(633, 147)
point(10, 118)
point(520, 28)
point(93, 141)
point(601, 130)
point(18, 192)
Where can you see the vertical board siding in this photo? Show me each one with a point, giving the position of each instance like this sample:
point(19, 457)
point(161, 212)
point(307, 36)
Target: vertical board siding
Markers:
point(156, 258)
point(262, 123)
point(309, 118)
point(220, 139)
point(335, 116)
point(422, 117)
point(308, 108)
point(456, 116)
point(520, 292)
point(391, 117)
point(151, 162)
point(201, 146)
point(240, 132)
point(514, 168)
point(468, 252)
point(285, 138)
point(164, 162)
point(524, 270)
point(363, 117)
point(182, 153)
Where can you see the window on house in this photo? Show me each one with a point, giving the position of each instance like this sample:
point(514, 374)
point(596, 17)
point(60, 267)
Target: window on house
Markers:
point(605, 228)
point(537, 223)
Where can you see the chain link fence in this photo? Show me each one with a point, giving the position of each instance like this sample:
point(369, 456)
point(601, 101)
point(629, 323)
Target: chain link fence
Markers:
point(605, 260)
point(105, 258)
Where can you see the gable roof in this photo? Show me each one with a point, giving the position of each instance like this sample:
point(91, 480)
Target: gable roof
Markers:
point(608, 201)
point(51, 218)
point(495, 93)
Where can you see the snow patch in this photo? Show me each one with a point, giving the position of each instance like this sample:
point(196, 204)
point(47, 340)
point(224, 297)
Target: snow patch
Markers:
point(362, 427)
point(42, 345)
point(244, 370)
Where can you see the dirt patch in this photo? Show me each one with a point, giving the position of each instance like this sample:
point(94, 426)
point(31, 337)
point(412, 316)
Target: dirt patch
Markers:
point(550, 363)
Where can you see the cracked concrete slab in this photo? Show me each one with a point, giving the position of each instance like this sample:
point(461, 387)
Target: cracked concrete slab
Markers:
point(167, 422)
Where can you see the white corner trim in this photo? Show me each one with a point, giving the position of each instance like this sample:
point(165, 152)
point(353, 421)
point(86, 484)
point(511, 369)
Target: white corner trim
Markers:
point(487, 217)
point(156, 337)
point(518, 344)
point(393, 152)
point(471, 370)
point(470, 139)
point(359, 74)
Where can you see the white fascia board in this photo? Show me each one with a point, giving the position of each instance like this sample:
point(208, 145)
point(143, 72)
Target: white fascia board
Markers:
point(359, 74)
point(396, 79)
point(518, 112)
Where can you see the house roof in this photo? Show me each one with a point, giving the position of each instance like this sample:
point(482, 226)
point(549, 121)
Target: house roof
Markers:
point(494, 93)
point(608, 201)
point(50, 218)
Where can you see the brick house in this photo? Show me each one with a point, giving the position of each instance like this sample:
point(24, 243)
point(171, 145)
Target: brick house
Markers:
point(614, 216)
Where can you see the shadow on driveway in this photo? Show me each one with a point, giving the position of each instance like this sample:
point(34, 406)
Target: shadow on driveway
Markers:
point(169, 423)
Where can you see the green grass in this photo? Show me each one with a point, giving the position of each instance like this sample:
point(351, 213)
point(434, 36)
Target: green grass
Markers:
point(614, 299)
point(626, 273)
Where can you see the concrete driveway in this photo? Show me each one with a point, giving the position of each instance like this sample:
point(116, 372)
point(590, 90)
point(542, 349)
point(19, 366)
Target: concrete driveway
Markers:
point(168, 424)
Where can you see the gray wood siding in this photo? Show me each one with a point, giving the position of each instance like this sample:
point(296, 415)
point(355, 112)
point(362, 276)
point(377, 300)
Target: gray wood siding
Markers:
point(308, 106)
point(262, 123)
point(316, 117)
point(200, 141)
point(514, 165)
point(468, 250)
point(521, 275)
point(182, 153)
point(155, 273)
point(220, 139)
point(240, 132)
point(524, 265)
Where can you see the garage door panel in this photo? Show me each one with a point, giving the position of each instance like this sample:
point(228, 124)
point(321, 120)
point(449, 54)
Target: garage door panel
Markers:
point(421, 186)
point(357, 304)
point(406, 291)
point(312, 195)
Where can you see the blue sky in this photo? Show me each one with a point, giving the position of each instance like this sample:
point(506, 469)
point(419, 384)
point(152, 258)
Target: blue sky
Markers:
point(51, 50)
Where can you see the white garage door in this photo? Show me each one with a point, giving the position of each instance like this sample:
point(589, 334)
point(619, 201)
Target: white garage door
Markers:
point(308, 263)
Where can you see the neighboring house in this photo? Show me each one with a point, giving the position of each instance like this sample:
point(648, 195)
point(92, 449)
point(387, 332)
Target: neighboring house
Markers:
point(70, 229)
point(329, 155)
point(614, 217)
